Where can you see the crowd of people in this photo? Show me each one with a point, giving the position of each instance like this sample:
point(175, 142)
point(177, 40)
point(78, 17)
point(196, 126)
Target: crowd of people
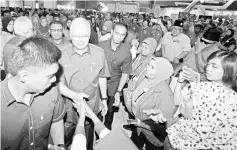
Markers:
point(66, 72)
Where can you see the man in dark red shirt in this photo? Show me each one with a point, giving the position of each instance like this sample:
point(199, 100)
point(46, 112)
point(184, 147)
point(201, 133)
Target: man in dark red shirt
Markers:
point(119, 58)
point(31, 107)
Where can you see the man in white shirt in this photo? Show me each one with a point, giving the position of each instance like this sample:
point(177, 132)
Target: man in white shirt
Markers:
point(175, 44)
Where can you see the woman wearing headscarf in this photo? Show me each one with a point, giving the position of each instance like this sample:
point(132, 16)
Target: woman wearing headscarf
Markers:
point(43, 29)
point(106, 31)
point(228, 42)
point(146, 49)
point(150, 91)
point(35, 20)
point(66, 30)
point(7, 30)
point(145, 31)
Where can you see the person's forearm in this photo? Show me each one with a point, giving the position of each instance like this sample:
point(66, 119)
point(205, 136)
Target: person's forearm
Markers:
point(182, 55)
point(163, 28)
point(64, 90)
point(103, 87)
point(177, 93)
point(176, 71)
point(123, 81)
point(57, 132)
point(80, 129)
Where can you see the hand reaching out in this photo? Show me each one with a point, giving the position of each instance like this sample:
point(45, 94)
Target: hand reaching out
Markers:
point(156, 115)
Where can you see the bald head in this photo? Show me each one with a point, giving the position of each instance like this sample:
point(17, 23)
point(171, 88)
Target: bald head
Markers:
point(81, 26)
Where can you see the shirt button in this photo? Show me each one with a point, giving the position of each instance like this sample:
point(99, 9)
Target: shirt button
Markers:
point(32, 144)
point(31, 128)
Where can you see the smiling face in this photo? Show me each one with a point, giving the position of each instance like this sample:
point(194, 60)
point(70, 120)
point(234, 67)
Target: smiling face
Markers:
point(56, 31)
point(151, 70)
point(175, 30)
point(10, 26)
point(80, 38)
point(43, 22)
point(214, 70)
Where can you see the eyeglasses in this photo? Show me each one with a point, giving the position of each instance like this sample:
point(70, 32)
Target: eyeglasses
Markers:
point(56, 30)
point(175, 28)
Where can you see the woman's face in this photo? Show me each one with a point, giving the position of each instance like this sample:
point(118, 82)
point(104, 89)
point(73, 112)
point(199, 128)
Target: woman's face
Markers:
point(35, 20)
point(151, 70)
point(44, 22)
point(214, 70)
point(69, 23)
point(10, 26)
point(144, 48)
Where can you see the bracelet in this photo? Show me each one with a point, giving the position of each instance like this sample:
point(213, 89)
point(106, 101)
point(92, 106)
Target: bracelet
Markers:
point(179, 81)
point(62, 145)
point(104, 99)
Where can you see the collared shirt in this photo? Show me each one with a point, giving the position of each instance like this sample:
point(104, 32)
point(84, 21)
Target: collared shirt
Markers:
point(27, 127)
point(119, 60)
point(9, 48)
point(64, 43)
point(81, 72)
point(174, 46)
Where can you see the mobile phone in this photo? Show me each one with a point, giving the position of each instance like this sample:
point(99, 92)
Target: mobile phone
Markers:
point(194, 76)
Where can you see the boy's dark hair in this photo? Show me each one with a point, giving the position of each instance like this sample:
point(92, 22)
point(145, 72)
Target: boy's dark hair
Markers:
point(33, 52)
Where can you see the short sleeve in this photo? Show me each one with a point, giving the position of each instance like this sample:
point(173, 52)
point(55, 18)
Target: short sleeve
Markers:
point(186, 46)
point(59, 109)
point(104, 72)
point(127, 65)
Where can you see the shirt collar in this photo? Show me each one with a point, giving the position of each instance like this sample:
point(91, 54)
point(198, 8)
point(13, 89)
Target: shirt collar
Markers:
point(8, 97)
point(72, 50)
point(110, 40)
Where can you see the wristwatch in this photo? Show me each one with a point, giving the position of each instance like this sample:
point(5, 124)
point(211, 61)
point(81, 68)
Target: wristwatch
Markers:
point(104, 99)
point(63, 146)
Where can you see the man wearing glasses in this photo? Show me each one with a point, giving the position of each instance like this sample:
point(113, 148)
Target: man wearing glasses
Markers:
point(175, 44)
point(56, 32)
point(85, 73)
point(70, 121)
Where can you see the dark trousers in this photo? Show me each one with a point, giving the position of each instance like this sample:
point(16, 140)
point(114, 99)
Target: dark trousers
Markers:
point(89, 129)
point(140, 140)
point(110, 114)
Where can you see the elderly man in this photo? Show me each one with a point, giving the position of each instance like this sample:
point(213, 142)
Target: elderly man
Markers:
point(23, 28)
point(30, 107)
point(175, 44)
point(85, 70)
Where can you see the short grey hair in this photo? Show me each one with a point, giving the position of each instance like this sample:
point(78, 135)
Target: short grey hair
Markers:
point(22, 25)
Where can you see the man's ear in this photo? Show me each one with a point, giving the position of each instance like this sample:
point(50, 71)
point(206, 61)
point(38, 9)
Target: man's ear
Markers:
point(24, 75)
point(112, 31)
